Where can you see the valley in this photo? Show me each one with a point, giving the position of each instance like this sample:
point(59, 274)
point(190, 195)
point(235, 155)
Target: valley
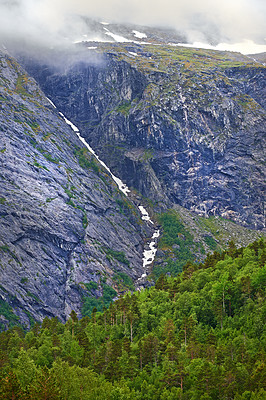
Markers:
point(132, 202)
point(182, 131)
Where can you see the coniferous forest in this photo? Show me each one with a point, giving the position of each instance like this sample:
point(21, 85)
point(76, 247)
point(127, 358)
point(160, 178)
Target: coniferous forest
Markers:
point(200, 335)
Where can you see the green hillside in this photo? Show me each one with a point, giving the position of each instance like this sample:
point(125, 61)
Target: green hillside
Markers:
point(185, 236)
point(200, 335)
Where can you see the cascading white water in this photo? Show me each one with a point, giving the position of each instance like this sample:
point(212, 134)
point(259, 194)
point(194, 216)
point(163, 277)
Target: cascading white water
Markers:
point(148, 255)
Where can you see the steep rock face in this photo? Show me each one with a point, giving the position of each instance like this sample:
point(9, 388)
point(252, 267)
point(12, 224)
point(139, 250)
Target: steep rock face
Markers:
point(185, 126)
point(64, 223)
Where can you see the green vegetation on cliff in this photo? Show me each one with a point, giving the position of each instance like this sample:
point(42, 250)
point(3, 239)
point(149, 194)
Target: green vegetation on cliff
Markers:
point(176, 242)
point(200, 335)
point(187, 237)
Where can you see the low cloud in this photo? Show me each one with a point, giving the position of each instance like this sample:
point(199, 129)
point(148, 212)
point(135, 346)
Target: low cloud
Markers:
point(51, 22)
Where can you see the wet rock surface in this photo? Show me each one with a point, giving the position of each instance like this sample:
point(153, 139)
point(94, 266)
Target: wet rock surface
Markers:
point(64, 222)
point(182, 126)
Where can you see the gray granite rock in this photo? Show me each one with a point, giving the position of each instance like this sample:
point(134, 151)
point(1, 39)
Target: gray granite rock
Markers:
point(62, 217)
point(185, 126)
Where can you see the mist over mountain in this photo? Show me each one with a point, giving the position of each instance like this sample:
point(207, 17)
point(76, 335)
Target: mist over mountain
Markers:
point(85, 95)
point(132, 200)
point(50, 23)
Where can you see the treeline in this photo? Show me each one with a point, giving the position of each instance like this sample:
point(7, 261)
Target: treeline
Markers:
point(198, 336)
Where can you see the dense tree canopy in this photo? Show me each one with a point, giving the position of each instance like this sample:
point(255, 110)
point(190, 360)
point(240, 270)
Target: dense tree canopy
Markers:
point(200, 335)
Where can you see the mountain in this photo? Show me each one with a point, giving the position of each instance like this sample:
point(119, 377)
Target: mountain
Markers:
point(260, 57)
point(200, 335)
point(100, 31)
point(67, 231)
point(182, 126)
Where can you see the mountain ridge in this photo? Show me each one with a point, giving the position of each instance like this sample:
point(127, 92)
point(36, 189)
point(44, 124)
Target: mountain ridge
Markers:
point(70, 240)
point(189, 122)
point(64, 221)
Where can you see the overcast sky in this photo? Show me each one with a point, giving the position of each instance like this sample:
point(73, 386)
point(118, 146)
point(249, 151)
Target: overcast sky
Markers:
point(45, 21)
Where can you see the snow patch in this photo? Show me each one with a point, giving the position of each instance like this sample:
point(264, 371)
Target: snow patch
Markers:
point(139, 35)
point(156, 234)
point(92, 47)
point(50, 101)
point(104, 23)
point(75, 129)
point(133, 54)
point(145, 215)
point(117, 38)
point(149, 255)
point(122, 186)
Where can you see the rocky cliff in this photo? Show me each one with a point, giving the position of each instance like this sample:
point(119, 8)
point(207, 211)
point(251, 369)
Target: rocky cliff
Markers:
point(182, 126)
point(67, 232)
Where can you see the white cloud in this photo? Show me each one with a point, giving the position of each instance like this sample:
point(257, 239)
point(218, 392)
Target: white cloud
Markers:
point(245, 47)
point(48, 21)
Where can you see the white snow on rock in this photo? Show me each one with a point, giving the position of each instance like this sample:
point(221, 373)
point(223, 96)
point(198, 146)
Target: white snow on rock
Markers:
point(122, 186)
point(149, 255)
point(145, 215)
point(139, 35)
point(92, 47)
point(50, 101)
point(117, 38)
point(104, 23)
point(156, 234)
point(74, 128)
point(133, 54)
